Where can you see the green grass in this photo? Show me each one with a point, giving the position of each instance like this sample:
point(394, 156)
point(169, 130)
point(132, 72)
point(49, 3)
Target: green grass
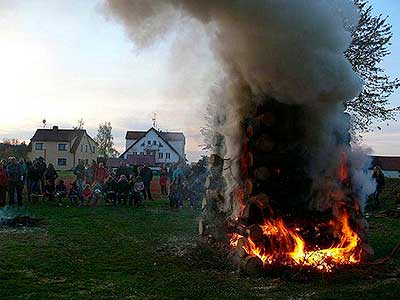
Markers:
point(152, 252)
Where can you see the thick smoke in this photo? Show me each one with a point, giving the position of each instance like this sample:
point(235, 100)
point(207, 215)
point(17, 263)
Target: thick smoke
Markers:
point(291, 50)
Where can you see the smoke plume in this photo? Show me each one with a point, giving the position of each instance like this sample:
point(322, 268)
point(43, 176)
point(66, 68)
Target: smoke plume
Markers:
point(291, 50)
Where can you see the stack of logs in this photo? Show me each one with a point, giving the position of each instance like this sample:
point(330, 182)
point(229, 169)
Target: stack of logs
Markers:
point(273, 174)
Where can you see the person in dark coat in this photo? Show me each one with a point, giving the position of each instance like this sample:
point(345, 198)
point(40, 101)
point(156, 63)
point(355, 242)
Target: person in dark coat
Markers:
point(123, 190)
point(41, 168)
point(50, 176)
point(61, 191)
point(14, 173)
point(147, 176)
point(110, 189)
point(34, 181)
point(80, 176)
point(3, 184)
point(380, 183)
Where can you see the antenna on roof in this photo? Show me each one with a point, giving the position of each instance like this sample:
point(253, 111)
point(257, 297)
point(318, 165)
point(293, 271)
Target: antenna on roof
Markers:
point(44, 123)
point(154, 120)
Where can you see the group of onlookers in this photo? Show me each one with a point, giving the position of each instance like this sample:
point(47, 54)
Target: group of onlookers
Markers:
point(93, 184)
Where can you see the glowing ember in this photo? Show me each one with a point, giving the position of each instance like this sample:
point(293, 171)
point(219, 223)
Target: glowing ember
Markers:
point(287, 247)
point(284, 245)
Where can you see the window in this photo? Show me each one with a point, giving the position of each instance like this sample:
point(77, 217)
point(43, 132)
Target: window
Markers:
point(62, 147)
point(160, 155)
point(148, 142)
point(167, 155)
point(62, 162)
point(39, 146)
point(160, 145)
point(86, 148)
point(141, 153)
point(81, 148)
point(94, 149)
point(155, 143)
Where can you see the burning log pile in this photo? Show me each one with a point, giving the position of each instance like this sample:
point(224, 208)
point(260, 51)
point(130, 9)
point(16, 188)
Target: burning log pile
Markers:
point(269, 219)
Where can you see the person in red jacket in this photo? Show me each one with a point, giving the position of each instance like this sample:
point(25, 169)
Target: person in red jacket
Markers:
point(3, 184)
point(87, 195)
point(100, 174)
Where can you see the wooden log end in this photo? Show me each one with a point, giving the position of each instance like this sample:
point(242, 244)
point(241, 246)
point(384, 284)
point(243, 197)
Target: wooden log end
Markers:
point(252, 266)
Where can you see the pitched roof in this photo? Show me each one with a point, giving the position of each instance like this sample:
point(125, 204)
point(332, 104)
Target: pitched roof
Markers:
point(387, 163)
point(60, 135)
point(160, 134)
point(56, 135)
point(168, 136)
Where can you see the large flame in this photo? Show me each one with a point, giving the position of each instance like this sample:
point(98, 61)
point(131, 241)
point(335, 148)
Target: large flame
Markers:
point(287, 247)
point(284, 245)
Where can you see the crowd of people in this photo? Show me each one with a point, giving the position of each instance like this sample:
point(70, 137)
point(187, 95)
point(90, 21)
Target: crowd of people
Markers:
point(94, 184)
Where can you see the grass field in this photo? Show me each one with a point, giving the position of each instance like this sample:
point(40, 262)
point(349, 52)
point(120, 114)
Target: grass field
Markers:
point(152, 252)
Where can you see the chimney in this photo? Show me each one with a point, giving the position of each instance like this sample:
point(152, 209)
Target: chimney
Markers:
point(55, 128)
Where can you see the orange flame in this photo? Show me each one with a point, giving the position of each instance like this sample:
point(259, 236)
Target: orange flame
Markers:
point(287, 247)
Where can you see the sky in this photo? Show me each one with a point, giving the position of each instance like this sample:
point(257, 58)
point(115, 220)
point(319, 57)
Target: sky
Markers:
point(66, 60)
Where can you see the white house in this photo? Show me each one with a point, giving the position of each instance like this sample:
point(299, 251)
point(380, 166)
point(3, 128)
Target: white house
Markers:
point(165, 147)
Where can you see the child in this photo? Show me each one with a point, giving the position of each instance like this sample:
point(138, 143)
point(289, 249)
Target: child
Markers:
point(138, 189)
point(109, 190)
point(98, 193)
point(74, 193)
point(123, 189)
point(61, 191)
point(49, 190)
point(87, 195)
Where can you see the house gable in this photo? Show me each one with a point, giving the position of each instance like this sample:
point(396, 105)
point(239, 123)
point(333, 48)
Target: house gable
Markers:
point(153, 141)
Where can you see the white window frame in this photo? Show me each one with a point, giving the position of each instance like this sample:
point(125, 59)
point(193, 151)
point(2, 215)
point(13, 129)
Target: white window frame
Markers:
point(61, 159)
point(62, 149)
point(37, 146)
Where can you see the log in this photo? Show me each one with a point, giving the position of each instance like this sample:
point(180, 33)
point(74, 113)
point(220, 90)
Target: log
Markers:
point(241, 243)
point(255, 233)
point(265, 144)
point(201, 227)
point(367, 254)
point(249, 131)
point(250, 160)
point(262, 174)
point(251, 265)
point(260, 200)
point(248, 186)
point(267, 119)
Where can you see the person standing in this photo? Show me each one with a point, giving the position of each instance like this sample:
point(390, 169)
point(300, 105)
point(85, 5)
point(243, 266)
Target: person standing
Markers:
point(3, 184)
point(89, 173)
point(147, 176)
point(24, 172)
point(100, 174)
point(14, 181)
point(80, 176)
point(380, 183)
point(41, 168)
point(163, 180)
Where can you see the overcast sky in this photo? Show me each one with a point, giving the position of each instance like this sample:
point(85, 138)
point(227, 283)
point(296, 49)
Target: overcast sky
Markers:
point(65, 60)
